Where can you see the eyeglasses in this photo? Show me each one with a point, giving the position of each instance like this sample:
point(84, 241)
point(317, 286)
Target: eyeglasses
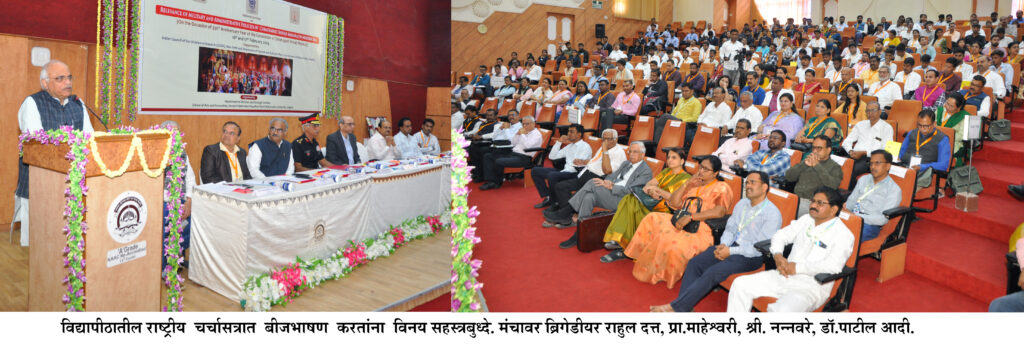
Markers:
point(277, 129)
point(877, 163)
point(819, 202)
point(705, 168)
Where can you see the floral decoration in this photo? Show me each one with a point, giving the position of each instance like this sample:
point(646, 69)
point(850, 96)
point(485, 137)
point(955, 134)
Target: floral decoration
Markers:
point(464, 268)
point(282, 285)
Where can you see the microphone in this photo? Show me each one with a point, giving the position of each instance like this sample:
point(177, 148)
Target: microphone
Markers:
point(93, 113)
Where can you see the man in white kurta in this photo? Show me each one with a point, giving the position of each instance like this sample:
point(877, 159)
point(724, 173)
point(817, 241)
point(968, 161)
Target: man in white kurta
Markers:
point(405, 142)
point(821, 244)
point(55, 82)
point(381, 146)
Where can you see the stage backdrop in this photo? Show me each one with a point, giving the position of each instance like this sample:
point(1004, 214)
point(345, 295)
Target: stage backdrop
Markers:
point(231, 58)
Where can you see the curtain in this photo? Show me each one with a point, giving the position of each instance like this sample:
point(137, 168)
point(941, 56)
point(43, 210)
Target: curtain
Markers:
point(635, 9)
point(783, 9)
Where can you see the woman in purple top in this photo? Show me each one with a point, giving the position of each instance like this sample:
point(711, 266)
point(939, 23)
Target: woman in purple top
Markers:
point(785, 119)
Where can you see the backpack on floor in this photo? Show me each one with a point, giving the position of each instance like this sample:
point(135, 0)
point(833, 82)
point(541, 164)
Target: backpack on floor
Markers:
point(965, 179)
point(999, 130)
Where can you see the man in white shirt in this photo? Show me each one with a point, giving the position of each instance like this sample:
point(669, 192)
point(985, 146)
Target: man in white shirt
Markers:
point(575, 152)
point(885, 89)
point(381, 146)
point(608, 156)
point(771, 98)
point(736, 148)
point(405, 142)
point(821, 244)
point(867, 136)
point(746, 110)
point(495, 162)
point(992, 78)
point(910, 79)
point(716, 114)
point(728, 53)
point(533, 71)
point(268, 154)
point(1000, 65)
point(506, 130)
point(805, 64)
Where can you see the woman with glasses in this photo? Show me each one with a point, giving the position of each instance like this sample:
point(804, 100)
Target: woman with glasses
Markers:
point(631, 209)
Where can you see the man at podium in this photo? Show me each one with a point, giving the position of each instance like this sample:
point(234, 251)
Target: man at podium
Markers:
point(49, 109)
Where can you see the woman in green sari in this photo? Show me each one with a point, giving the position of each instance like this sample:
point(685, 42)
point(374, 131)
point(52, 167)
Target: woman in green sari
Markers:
point(821, 124)
point(952, 115)
point(631, 210)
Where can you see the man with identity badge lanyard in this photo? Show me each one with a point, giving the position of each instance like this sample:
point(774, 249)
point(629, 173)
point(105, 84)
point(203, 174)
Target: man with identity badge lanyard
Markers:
point(925, 148)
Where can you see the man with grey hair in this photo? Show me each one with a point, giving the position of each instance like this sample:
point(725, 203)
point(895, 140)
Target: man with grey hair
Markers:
point(609, 156)
point(52, 107)
point(271, 155)
point(528, 137)
point(341, 145)
point(745, 110)
point(885, 89)
point(604, 193)
point(865, 137)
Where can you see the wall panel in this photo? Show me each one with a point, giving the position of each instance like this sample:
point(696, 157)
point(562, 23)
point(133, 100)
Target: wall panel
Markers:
point(527, 32)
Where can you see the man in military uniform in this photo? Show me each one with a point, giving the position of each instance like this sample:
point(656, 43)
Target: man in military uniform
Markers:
point(305, 149)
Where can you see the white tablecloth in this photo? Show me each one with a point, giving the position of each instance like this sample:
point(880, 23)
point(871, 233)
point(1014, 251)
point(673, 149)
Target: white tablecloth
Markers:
point(235, 236)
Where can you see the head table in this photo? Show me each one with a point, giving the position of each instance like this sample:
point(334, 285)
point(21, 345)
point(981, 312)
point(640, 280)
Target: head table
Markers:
point(251, 227)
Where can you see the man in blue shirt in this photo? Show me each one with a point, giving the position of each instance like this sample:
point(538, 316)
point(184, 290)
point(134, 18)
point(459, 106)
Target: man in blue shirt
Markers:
point(753, 219)
point(754, 88)
point(773, 160)
point(874, 194)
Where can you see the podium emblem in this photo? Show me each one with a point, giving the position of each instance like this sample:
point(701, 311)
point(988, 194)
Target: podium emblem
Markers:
point(126, 217)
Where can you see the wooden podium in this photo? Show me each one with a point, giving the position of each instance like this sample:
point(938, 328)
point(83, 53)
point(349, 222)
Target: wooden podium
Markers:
point(123, 261)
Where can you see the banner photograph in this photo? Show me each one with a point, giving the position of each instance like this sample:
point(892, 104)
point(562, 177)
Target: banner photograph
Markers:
point(224, 71)
point(237, 58)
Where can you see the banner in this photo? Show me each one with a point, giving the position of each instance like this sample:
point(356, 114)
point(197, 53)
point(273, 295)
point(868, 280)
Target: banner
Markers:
point(238, 57)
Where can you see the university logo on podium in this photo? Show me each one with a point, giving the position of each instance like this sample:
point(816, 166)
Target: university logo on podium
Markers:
point(126, 217)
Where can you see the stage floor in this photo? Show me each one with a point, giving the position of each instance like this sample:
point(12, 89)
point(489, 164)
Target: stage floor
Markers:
point(415, 274)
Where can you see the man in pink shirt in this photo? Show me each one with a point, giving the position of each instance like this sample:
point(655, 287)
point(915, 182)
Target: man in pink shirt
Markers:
point(627, 103)
point(736, 148)
point(1013, 302)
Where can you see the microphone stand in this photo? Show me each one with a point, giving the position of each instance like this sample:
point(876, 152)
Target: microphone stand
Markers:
point(93, 113)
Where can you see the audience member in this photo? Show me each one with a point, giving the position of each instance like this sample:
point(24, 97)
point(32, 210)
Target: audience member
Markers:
point(821, 244)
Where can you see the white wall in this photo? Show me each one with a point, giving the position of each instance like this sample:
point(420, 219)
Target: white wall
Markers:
point(892, 9)
point(695, 10)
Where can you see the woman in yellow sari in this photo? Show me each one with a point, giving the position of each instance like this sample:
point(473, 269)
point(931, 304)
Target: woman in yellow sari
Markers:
point(630, 211)
point(662, 249)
